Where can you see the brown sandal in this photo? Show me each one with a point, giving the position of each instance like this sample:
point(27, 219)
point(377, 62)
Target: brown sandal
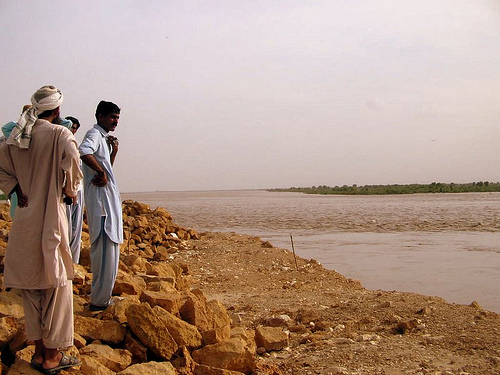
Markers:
point(65, 362)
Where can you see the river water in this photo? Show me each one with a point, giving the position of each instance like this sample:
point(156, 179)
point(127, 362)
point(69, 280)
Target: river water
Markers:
point(445, 245)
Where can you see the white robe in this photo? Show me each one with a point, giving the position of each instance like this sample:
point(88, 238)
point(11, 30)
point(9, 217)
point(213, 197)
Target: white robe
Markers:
point(38, 254)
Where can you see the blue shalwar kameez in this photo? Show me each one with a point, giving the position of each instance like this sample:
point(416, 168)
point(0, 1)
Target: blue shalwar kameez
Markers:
point(104, 215)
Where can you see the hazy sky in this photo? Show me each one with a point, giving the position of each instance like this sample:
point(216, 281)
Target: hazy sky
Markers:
point(258, 94)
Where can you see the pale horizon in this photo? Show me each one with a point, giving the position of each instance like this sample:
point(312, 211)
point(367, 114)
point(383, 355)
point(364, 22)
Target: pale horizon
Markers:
point(236, 95)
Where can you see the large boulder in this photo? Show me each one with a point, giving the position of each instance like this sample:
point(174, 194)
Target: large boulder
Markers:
point(91, 366)
point(170, 301)
point(114, 359)
point(184, 334)
point(231, 355)
point(271, 338)
point(128, 284)
point(220, 323)
point(149, 329)
point(195, 312)
point(108, 331)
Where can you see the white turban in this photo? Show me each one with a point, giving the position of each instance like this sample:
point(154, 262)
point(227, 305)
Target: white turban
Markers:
point(44, 99)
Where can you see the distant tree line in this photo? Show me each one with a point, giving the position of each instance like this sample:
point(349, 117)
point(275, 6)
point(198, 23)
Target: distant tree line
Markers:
point(435, 187)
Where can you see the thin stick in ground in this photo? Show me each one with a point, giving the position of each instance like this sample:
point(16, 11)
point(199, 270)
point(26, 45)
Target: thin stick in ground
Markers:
point(293, 250)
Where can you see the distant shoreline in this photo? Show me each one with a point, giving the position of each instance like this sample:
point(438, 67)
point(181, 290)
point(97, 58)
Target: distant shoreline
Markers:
point(435, 187)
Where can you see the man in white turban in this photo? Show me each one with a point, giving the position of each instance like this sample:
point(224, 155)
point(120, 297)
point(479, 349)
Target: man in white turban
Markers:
point(40, 162)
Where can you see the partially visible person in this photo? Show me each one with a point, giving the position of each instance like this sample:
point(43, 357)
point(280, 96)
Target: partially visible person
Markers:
point(98, 151)
point(75, 124)
point(6, 130)
point(39, 161)
point(75, 210)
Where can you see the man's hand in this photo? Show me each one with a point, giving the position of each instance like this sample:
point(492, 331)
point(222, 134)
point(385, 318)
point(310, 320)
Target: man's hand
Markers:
point(22, 200)
point(100, 179)
point(70, 200)
point(113, 142)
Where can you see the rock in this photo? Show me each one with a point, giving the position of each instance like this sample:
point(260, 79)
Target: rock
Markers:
point(425, 311)
point(407, 326)
point(80, 274)
point(79, 304)
point(91, 366)
point(265, 368)
point(247, 336)
point(208, 370)
point(170, 301)
point(26, 353)
point(108, 331)
point(22, 367)
point(18, 342)
point(114, 359)
point(162, 254)
point(433, 340)
point(271, 338)
point(368, 337)
point(298, 328)
point(11, 304)
point(154, 284)
point(162, 270)
point(150, 331)
point(220, 321)
point(183, 362)
point(136, 348)
point(118, 309)
point(279, 321)
point(342, 341)
point(8, 329)
point(307, 315)
point(135, 263)
point(150, 368)
point(79, 341)
point(475, 305)
point(184, 334)
point(385, 305)
point(127, 284)
point(194, 311)
point(229, 355)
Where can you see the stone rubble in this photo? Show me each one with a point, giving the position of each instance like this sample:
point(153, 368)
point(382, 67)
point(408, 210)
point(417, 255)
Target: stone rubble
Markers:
point(158, 324)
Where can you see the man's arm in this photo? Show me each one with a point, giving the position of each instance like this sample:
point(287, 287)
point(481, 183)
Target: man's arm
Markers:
point(8, 179)
point(71, 166)
point(100, 179)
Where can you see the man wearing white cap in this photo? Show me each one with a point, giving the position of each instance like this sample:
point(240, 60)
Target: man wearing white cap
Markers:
point(40, 162)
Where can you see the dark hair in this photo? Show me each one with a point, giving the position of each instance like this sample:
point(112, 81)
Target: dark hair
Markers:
point(47, 113)
point(105, 108)
point(74, 120)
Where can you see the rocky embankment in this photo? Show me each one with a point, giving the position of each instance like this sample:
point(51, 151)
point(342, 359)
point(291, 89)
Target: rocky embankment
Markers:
point(159, 323)
point(228, 304)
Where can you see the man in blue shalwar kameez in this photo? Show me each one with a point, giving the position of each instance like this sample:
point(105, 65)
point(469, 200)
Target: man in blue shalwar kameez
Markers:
point(102, 200)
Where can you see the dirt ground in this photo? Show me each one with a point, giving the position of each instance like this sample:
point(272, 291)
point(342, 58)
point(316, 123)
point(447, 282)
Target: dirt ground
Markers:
point(336, 326)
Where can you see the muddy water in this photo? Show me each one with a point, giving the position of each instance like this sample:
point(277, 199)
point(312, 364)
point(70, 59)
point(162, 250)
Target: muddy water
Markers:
point(446, 245)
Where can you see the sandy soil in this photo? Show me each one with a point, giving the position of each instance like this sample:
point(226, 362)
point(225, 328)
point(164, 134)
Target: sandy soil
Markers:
point(337, 326)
